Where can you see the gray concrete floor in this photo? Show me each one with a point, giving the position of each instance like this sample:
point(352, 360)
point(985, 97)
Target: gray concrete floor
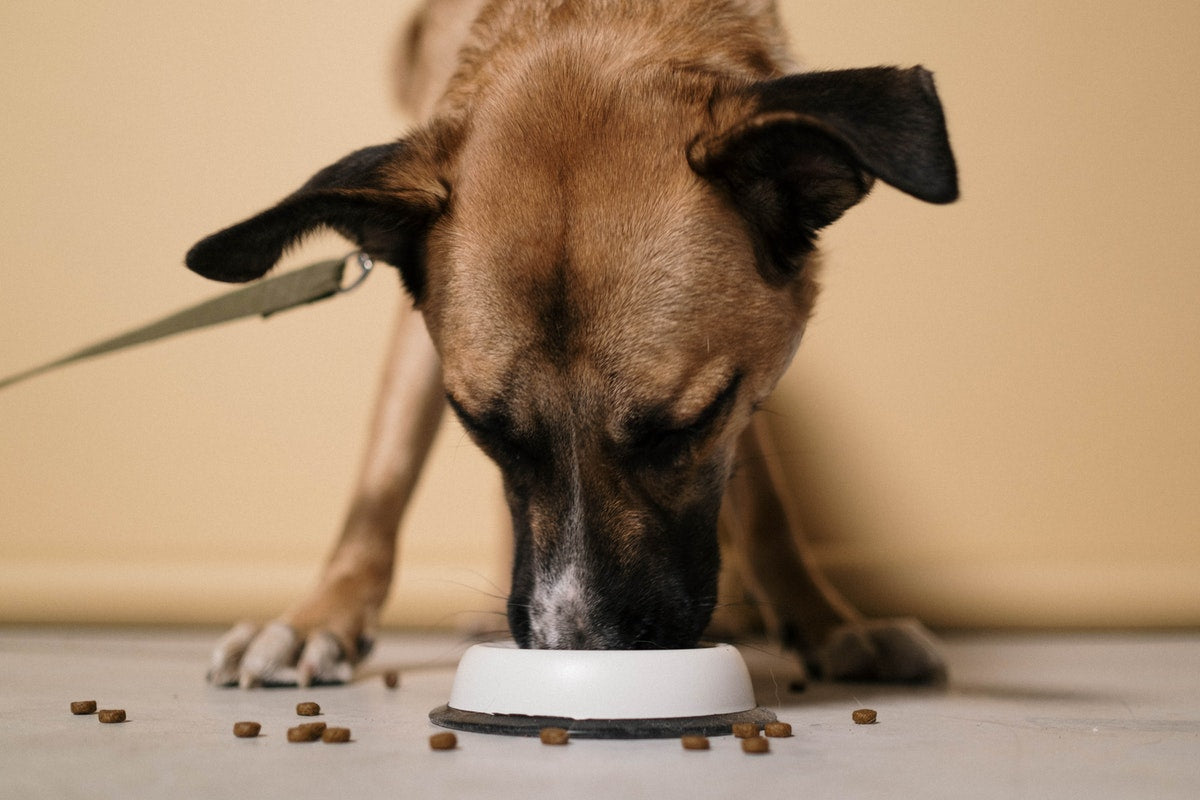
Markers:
point(1024, 716)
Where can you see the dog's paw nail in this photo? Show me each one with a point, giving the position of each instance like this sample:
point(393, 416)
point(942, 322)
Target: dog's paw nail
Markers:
point(269, 657)
point(323, 659)
point(282, 676)
point(228, 653)
point(304, 676)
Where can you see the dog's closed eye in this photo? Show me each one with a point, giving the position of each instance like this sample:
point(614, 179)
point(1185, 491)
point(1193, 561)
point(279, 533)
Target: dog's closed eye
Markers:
point(495, 434)
point(655, 436)
point(489, 426)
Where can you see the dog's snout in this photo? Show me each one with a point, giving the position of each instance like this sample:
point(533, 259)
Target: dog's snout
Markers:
point(570, 610)
point(564, 614)
point(607, 556)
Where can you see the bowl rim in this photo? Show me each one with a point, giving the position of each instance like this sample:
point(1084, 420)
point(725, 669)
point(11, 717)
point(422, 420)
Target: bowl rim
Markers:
point(501, 678)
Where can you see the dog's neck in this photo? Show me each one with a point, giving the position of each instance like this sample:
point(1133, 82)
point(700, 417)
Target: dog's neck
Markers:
point(618, 37)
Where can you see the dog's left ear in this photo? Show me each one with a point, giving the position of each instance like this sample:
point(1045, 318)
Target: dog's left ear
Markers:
point(804, 148)
point(382, 198)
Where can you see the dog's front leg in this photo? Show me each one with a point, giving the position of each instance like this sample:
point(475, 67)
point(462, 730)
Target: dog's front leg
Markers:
point(796, 600)
point(322, 637)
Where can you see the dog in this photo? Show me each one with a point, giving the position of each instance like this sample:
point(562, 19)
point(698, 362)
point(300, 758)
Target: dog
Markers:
point(607, 224)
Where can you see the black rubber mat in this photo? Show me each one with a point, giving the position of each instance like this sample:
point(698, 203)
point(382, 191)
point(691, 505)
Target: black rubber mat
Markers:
point(663, 728)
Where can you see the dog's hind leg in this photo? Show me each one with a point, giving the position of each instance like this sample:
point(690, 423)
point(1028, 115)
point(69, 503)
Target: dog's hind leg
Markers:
point(797, 602)
point(323, 636)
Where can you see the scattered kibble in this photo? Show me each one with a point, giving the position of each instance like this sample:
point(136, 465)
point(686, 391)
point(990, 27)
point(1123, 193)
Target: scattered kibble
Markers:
point(864, 716)
point(745, 730)
point(308, 709)
point(112, 715)
point(391, 679)
point(246, 730)
point(755, 744)
point(336, 735)
point(83, 707)
point(299, 735)
point(778, 730)
point(554, 736)
point(309, 732)
point(443, 741)
point(694, 742)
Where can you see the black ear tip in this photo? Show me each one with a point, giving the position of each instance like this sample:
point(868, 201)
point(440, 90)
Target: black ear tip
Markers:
point(937, 183)
point(220, 260)
point(199, 260)
point(942, 189)
point(943, 180)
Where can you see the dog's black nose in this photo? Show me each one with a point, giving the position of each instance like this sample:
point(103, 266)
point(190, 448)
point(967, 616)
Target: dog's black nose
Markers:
point(677, 623)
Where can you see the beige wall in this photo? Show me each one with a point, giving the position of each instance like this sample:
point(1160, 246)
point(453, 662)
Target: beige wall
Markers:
point(994, 419)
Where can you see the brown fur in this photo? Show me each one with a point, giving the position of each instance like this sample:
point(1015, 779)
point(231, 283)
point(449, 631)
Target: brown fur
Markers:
point(607, 225)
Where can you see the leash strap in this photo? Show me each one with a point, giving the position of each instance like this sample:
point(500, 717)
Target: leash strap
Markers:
point(289, 290)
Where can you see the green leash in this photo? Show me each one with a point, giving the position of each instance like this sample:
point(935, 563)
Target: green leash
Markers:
point(289, 290)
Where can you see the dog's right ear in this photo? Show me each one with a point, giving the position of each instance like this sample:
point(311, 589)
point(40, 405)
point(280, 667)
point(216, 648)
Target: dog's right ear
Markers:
point(383, 198)
point(794, 153)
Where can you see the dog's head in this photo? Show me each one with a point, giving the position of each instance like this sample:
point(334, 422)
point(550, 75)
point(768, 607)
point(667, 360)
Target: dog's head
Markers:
point(615, 276)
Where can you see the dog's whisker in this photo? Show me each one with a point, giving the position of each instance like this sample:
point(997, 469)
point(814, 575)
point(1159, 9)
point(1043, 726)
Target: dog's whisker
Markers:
point(465, 585)
point(451, 618)
point(499, 591)
point(754, 645)
point(752, 603)
point(494, 635)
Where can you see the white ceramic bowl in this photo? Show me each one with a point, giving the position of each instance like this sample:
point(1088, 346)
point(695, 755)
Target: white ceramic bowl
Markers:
point(500, 678)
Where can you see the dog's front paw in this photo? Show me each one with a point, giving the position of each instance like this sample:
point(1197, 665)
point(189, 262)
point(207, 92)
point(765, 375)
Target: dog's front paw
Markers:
point(277, 655)
point(888, 651)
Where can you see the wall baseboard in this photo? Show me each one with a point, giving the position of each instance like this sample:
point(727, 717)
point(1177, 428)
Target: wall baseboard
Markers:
point(471, 596)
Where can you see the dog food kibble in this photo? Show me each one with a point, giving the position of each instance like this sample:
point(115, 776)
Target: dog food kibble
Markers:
point(299, 735)
point(755, 744)
point(777, 730)
point(83, 707)
point(443, 741)
point(554, 736)
point(864, 716)
point(308, 709)
point(694, 742)
point(391, 679)
point(336, 735)
point(744, 730)
point(308, 732)
point(246, 730)
point(112, 715)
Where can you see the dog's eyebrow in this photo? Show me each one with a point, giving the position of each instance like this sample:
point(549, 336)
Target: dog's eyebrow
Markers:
point(718, 405)
point(653, 422)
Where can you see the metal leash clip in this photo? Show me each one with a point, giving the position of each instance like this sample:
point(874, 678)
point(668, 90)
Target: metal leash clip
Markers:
point(365, 265)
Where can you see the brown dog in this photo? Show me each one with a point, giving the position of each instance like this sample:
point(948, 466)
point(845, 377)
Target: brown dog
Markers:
point(608, 224)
